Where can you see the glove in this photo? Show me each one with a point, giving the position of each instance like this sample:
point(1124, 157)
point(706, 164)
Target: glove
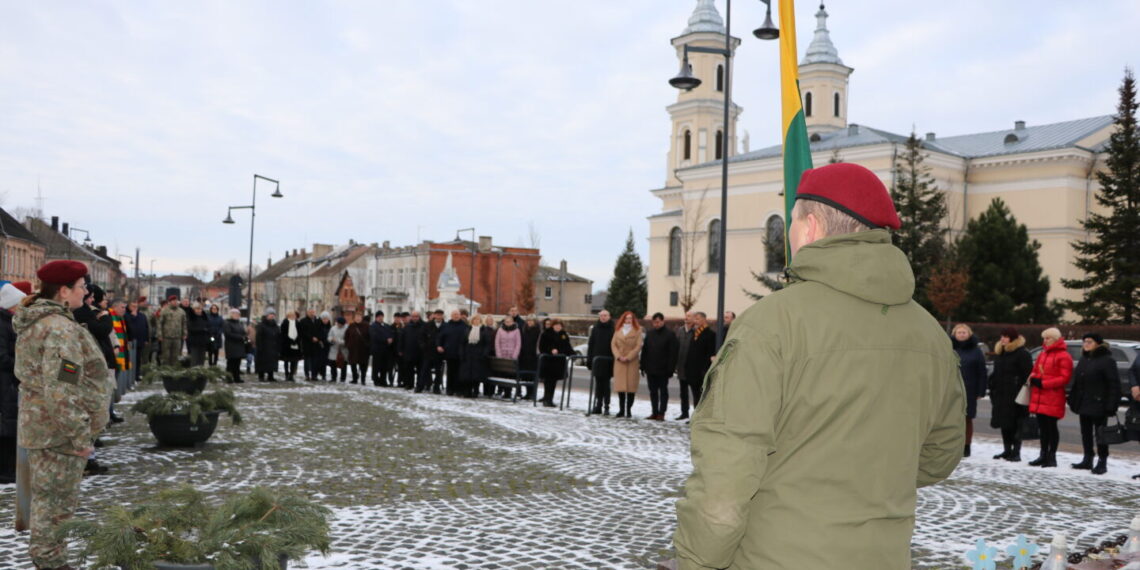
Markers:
point(1035, 382)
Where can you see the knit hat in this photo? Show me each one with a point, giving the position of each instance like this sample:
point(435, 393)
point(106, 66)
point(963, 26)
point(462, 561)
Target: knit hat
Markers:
point(1010, 333)
point(61, 272)
point(1095, 336)
point(24, 286)
point(340, 320)
point(270, 311)
point(10, 296)
point(853, 190)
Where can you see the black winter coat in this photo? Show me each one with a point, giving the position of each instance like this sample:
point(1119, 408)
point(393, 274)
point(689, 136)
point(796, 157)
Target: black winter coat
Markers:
point(234, 333)
point(409, 347)
point(599, 345)
point(699, 358)
point(291, 349)
point(268, 339)
point(309, 328)
point(1096, 384)
point(554, 367)
point(198, 331)
point(659, 352)
point(972, 364)
point(429, 335)
point(100, 328)
point(216, 324)
point(9, 384)
point(475, 366)
point(138, 327)
point(528, 352)
point(452, 338)
point(378, 335)
point(1011, 369)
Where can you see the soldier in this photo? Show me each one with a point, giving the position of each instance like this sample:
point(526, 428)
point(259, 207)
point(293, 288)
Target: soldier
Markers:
point(172, 331)
point(64, 397)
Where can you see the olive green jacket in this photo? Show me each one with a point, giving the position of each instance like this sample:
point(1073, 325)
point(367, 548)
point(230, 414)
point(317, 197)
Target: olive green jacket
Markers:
point(831, 401)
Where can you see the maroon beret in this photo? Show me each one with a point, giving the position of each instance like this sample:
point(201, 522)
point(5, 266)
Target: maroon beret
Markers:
point(25, 287)
point(172, 298)
point(61, 272)
point(853, 190)
point(142, 299)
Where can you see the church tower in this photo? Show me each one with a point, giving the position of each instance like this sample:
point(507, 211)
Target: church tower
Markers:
point(823, 81)
point(698, 115)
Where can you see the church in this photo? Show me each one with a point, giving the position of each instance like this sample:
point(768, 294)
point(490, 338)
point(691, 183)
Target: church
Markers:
point(1045, 174)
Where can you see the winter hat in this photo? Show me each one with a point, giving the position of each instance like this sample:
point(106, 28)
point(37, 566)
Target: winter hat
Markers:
point(61, 272)
point(1095, 336)
point(340, 320)
point(24, 286)
point(1010, 333)
point(141, 299)
point(325, 315)
point(853, 190)
point(172, 298)
point(10, 296)
point(270, 311)
point(97, 293)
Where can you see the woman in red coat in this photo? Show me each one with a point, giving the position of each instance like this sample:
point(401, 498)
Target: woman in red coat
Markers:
point(1051, 373)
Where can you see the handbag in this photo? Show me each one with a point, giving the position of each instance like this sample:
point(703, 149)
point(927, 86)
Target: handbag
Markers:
point(1112, 434)
point(1022, 398)
point(1030, 429)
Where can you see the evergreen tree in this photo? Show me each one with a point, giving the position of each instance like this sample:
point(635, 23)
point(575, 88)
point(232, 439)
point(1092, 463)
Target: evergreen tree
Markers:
point(1111, 258)
point(628, 291)
point(921, 207)
point(1005, 283)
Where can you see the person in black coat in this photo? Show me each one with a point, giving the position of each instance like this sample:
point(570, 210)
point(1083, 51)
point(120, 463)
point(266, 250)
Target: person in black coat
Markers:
point(320, 359)
point(291, 350)
point(554, 345)
point(93, 315)
point(268, 346)
point(474, 366)
point(658, 361)
point(234, 339)
point(138, 330)
point(311, 346)
point(216, 340)
point(431, 368)
point(381, 337)
point(9, 391)
point(528, 354)
point(1012, 365)
point(972, 364)
point(1095, 395)
point(603, 369)
point(408, 350)
point(450, 344)
point(197, 334)
point(702, 349)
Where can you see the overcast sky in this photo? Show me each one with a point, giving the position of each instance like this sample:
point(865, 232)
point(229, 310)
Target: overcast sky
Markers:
point(401, 120)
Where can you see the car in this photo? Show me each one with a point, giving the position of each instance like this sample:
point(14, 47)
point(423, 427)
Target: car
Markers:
point(1124, 352)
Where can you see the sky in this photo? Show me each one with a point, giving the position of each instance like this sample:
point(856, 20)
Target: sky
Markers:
point(405, 120)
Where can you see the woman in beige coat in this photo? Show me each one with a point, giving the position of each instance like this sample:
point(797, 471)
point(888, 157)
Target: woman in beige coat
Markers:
point(626, 345)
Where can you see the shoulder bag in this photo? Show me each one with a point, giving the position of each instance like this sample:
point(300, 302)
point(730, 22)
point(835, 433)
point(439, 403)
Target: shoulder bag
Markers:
point(1112, 434)
point(1022, 398)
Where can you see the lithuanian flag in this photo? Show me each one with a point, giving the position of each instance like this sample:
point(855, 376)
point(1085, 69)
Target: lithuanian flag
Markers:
point(797, 152)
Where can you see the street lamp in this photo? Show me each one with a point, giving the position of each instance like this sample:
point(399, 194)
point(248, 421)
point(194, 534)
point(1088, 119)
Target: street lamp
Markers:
point(252, 207)
point(471, 298)
point(686, 80)
point(86, 235)
point(129, 260)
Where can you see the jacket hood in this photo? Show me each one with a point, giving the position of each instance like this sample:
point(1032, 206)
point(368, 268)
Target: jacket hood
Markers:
point(1012, 346)
point(1059, 345)
point(861, 264)
point(39, 309)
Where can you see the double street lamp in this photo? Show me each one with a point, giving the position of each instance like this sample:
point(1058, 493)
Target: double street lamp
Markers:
point(686, 80)
point(252, 207)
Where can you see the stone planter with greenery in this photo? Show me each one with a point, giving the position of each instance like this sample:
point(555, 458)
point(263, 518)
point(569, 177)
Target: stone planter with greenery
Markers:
point(180, 419)
point(258, 530)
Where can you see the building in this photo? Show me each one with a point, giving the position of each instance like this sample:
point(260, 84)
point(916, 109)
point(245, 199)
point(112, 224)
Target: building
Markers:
point(185, 286)
point(559, 292)
point(267, 291)
point(104, 270)
point(327, 275)
point(1027, 166)
point(21, 252)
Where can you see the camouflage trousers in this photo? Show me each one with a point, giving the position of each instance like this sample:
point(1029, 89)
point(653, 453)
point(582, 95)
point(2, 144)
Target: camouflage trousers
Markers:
point(55, 495)
point(171, 351)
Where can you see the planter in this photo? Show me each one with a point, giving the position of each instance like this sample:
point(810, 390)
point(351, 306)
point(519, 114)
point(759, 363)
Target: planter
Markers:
point(176, 430)
point(183, 384)
point(282, 560)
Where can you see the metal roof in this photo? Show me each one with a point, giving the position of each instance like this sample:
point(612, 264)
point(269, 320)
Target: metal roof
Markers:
point(705, 18)
point(1023, 140)
point(821, 50)
point(546, 273)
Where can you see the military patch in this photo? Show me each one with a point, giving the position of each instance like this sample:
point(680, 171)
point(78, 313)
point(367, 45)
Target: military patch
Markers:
point(68, 372)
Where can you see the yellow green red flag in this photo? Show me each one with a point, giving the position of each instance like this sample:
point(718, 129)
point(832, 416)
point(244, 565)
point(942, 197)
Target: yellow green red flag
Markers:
point(797, 151)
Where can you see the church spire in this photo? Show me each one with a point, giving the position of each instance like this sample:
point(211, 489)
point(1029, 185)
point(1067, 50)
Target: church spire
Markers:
point(821, 49)
point(705, 18)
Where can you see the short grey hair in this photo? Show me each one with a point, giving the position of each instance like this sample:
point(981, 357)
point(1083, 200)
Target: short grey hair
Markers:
point(195, 305)
point(235, 312)
point(835, 222)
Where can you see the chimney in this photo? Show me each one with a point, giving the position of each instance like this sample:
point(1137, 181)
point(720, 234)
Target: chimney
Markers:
point(929, 136)
point(1019, 125)
point(268, 262)
point(302, 252)
point(562, 269)
point(387, 244)
point(852, 129)
point(102, 250)
point(484, 244)
point(63, 229)
point(55, 223)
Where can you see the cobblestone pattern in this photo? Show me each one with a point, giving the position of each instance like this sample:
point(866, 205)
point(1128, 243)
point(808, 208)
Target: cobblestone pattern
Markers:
point(425, 481)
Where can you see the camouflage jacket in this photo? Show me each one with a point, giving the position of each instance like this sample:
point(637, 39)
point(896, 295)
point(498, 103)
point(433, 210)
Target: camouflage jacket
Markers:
point(64, 387)
point(172, 322)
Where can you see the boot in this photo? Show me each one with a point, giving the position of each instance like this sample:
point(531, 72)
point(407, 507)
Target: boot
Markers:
point(629, 404)
point(1005, 452)
point(1101, 466)
point(1086, 463)
point(1040, 459)
point(1051, 458)
point(966, 452)
point(1014, 452)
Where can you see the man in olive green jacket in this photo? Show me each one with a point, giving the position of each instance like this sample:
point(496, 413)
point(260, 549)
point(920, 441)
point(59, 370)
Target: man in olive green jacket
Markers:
point(830, 402)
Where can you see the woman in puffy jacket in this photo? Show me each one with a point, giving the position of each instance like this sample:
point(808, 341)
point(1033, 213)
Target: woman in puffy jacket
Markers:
point(1051, 373)
point(1094, 396)
point(972, 364)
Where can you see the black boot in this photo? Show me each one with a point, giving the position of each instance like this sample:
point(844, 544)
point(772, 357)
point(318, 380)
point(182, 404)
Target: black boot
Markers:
point(1040, 459)
point(1086, 463)
point(966, 452)
point(1101, 466)
point(1051, 458)
point(1015, 452)
point(1005, 452)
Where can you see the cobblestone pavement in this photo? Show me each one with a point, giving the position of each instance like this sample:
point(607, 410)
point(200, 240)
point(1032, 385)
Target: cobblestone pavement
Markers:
point(426, 481)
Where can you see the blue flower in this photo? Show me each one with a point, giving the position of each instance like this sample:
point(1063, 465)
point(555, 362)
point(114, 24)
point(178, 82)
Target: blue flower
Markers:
point(982, 556)
point(1022, 552)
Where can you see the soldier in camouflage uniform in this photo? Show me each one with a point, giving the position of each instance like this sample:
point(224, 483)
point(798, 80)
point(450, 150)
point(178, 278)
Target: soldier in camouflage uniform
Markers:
point(64, 398)
point(171, 331)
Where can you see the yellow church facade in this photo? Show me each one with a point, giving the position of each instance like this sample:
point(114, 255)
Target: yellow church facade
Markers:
point(1046, 175)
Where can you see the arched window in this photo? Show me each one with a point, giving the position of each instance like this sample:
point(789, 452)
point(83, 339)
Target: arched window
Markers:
point(688, 152)
point(719, 144)
point(807, 104)
point(774, 259)
point(836, 104)
point(720, 78)
point(675, 251)
point(714, 246)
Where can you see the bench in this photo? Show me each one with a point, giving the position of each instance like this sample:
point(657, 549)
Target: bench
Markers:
point(505, 371)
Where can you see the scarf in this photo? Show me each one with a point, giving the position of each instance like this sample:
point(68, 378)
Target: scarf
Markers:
point(121, 360)
point(697, 332)
point(292, 328)
point(626, 328)
point(473, 336)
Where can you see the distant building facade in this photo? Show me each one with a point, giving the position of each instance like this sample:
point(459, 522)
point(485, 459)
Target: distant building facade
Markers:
point(21, 252)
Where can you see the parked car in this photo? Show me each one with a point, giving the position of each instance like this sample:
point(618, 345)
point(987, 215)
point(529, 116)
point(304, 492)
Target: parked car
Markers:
point(1124, 352)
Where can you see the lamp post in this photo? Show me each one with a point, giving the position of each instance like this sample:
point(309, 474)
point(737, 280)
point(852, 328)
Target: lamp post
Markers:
point(687, 81)
point(252, 207)
point(150, 290)
point(86, 235)
point(471, 298)
point(129, 260)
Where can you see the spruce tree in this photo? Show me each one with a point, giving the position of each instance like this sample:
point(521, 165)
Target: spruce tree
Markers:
point(921, 207)
point(1111, 257)
point(1006, 284)
point(628, 291)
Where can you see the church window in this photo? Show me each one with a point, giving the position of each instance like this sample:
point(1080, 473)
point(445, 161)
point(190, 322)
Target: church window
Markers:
point(807, 104)
point(688, 145)
point(719, 144)
point(774, 245)
point(714, 246)
point(720, 78)
point(836, 104)
point(675, 251)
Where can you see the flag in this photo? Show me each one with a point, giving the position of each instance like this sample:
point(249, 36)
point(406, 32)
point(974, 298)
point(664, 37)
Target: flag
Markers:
point(797, 151)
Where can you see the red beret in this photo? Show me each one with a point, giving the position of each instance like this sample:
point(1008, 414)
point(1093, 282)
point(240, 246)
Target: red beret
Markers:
point(61, 272)
point(142, 299)
point(172, 298)
point(25, 287)
point(851, 189)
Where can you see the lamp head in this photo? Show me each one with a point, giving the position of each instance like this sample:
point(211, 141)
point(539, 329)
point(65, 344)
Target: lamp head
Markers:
point(277, 193)
point(685, 79)
point(229, 219)
point(768, 31)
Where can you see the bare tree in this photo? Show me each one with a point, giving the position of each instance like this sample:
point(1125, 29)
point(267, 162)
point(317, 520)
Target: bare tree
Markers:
point(692, 281)
point(198, 271)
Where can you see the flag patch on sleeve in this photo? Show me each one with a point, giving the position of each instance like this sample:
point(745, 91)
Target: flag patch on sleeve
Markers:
point(68, 372)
